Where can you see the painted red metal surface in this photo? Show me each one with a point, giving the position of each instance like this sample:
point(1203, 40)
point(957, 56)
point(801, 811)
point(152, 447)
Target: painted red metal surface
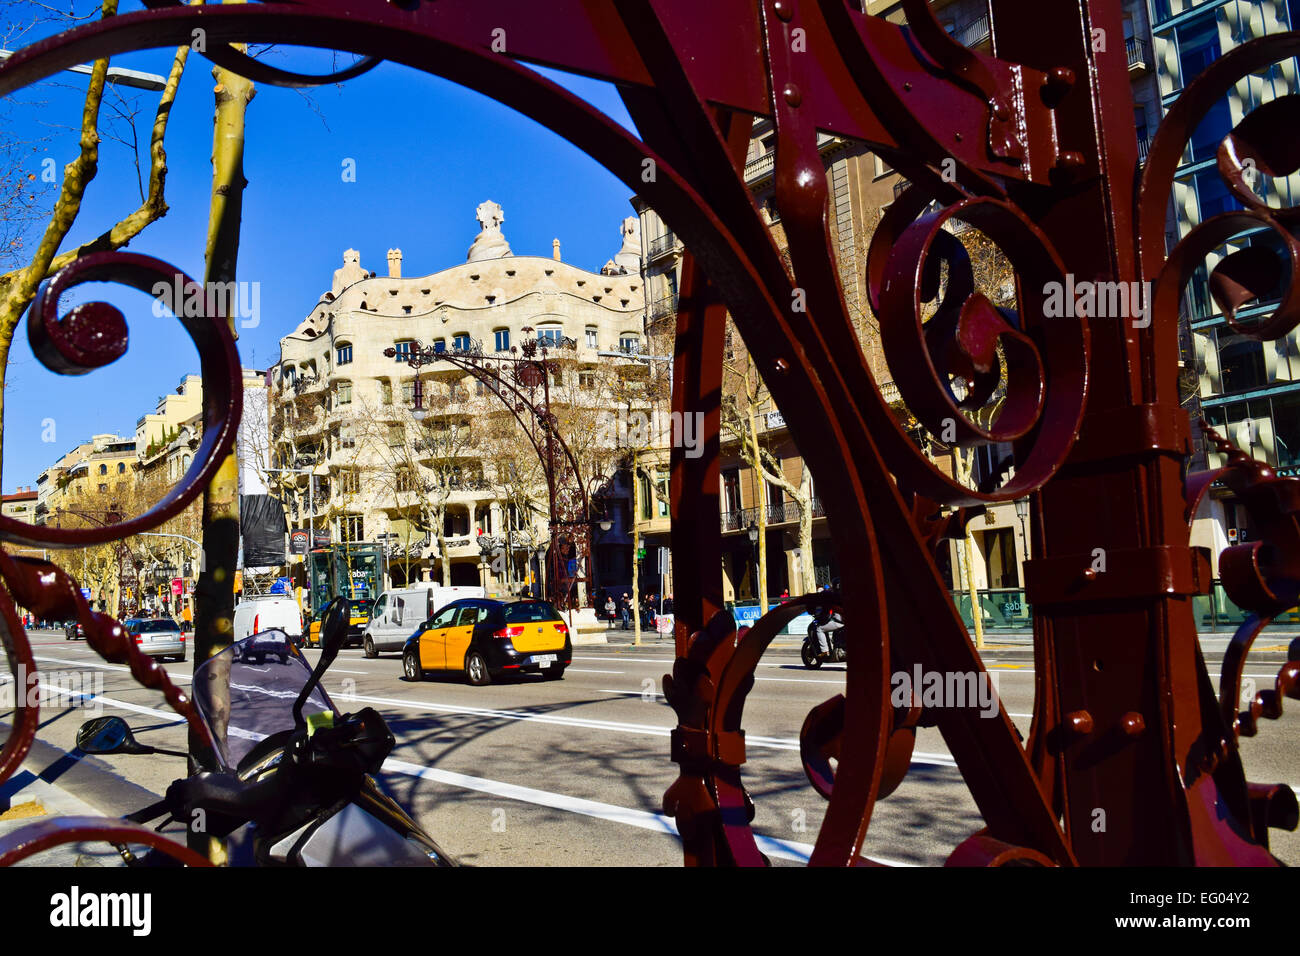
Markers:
point(89, 337)
point(1035, 147)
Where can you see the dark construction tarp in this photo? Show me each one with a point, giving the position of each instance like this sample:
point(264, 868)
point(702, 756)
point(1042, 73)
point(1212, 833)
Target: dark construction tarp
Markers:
point(262, 526)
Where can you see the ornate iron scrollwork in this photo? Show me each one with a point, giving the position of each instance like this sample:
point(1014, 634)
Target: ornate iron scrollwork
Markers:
point(1090, 407)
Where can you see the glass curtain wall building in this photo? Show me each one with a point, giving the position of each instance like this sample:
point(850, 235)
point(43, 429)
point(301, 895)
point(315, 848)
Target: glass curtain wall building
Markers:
point(1247, 390)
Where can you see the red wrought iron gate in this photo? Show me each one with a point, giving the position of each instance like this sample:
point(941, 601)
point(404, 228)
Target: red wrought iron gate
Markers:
point(1033, 146)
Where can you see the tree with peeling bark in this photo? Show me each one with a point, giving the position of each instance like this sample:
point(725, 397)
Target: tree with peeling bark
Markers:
point(214, 596)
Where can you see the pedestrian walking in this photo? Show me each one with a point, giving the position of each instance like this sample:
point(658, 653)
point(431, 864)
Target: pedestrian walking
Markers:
point(625, 608)
point(610, 608)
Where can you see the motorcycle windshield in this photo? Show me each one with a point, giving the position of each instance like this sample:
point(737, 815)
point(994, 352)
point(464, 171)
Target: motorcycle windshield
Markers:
point(265, 673)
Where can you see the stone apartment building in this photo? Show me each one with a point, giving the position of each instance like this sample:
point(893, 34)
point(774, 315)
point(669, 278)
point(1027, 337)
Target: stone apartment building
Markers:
point(342, 408)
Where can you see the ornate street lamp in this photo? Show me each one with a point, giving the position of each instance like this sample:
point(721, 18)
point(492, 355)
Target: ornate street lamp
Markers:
point(1022, 512)
point(753, 543)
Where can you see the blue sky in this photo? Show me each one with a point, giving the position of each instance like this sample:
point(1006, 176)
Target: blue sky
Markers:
point(445, 149)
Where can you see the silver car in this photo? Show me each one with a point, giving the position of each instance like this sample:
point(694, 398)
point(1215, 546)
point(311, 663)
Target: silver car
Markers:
point(157, 637)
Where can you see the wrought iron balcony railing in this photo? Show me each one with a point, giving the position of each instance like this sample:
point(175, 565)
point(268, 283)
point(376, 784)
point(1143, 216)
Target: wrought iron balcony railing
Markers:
point(784, 513)
point(664, 307)
point(973, 33)
point(662, 245)
point(1139, 53)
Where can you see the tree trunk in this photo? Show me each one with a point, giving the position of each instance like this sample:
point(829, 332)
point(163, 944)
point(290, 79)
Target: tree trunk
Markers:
point(214, 594)
point(636, 549)
point(761, 509)
point(976, 614)
point(807, 581)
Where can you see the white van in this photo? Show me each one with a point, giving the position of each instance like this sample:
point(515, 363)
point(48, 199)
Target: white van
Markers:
point(399, 612)
point(256, 614)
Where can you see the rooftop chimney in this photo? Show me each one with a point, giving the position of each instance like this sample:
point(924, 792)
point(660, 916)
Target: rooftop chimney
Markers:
point(394, 263)
point(555, 249)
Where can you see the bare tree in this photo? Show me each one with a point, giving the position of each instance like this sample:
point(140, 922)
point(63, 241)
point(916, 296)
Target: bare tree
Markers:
point(18, 286)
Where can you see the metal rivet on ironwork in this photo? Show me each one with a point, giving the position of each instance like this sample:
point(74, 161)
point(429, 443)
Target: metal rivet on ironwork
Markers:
point(907, 87)
point(959, 137)
point(1079, 721)
point(781, 365)
point(1069, 159)
point(1090, 573)
point(1061, 76)
point(792, 94)
point(784, 9)
point(1132, 723)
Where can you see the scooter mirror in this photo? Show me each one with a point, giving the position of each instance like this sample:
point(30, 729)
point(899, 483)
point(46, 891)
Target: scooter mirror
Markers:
point(105, 735)
point(333, 632)
point(334, 626)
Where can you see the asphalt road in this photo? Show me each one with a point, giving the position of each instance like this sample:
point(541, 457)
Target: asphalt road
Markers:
point(573, 772)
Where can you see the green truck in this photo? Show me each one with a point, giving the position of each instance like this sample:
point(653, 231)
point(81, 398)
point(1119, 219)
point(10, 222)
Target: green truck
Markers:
point(352, 571)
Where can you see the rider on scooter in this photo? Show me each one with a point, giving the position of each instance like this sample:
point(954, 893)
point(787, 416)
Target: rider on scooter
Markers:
point(826, 621)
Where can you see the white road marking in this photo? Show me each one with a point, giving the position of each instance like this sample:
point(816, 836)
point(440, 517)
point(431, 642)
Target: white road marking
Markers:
point(169, 715)
point(800, 680)
point(339, 670)
point(642, 819)
point(651, 730)
point(579, 670)
point(108, 667)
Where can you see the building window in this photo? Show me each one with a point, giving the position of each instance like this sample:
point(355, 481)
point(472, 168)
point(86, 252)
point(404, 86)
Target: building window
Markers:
point(103, 489)
point(628, 343)
point(591, 337)
point(121, 467)
point(396, 436)
point(103, 469)
point(352, 528)
point(349, 482)
point(408, 392)
point(550, 337)
point(404, 350)
point(440, 345)
point(460, 341)
point(405, 480)
point(343, 393)
point(385, 391)
point(586, 381)
point(346, 437)
point(343, 354)
point(502, 340)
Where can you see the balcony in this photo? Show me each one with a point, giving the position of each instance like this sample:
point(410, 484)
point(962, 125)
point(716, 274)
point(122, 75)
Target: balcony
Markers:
point(1139, 54)
point(1144, 146)
point(760, 167)
point(663, 307)
point(974, 33)
point(785, 513)
point(662, 245)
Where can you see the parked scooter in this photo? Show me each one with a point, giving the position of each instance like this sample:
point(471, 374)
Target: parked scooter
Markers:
point(292, 785)
point(837, 652)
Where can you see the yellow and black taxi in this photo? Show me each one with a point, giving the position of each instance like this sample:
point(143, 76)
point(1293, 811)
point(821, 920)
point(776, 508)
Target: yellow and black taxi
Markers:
point(484, 639)
point(358, 618)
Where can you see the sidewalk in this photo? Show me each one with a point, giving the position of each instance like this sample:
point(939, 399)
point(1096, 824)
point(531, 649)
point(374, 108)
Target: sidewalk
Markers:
point(1270, 646)
point(52, 783)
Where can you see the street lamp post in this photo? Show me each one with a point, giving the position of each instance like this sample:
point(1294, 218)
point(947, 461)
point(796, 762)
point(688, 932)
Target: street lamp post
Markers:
point(569, 508)
point(753, 543)
point(1022, 512)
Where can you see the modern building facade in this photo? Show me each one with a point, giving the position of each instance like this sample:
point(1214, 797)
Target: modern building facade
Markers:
point(1247, 390)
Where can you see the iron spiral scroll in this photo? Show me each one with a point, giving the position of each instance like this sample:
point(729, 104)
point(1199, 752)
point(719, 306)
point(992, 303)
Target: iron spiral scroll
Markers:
point(1032, 148)
point(90, 336)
